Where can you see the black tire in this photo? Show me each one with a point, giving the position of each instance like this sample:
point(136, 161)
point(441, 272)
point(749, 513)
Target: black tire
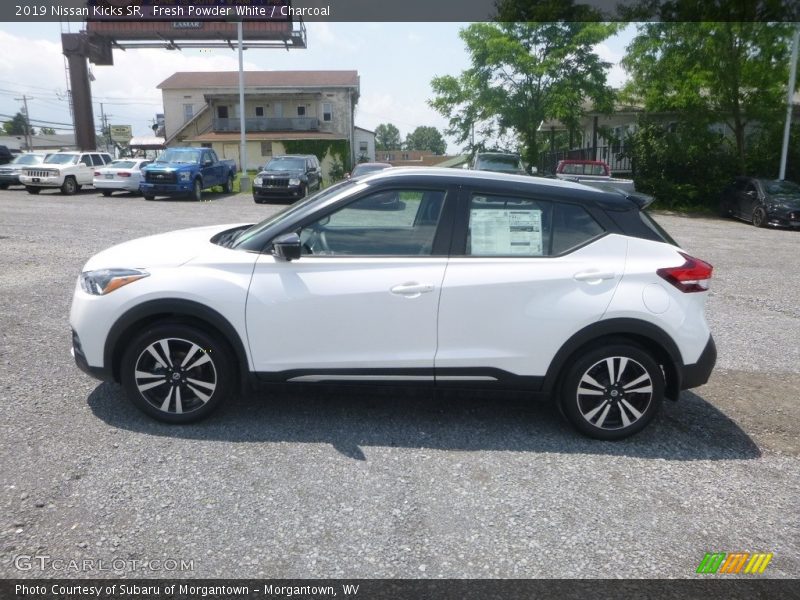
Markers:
point(106, 193)
point(4, 186)
point(602, 399)
point(759, 217)
point(228, 187)
point(258, 200)
point(33, 190)
point(69, 187)
point(197, 191)
point(149, 197)
point(174, 388)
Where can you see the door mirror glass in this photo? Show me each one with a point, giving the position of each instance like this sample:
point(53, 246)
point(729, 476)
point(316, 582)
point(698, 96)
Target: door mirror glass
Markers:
point(287, 246)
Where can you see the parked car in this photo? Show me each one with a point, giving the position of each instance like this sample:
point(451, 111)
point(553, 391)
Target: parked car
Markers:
point(499, 162)
point(6, 156)
point(287, 177)
point(122, 175)
point(186, 172)
point(481, 280)
point(367, 167)
point(592, 172)
point(762, 202)
point(66, 170)
point(9, 173)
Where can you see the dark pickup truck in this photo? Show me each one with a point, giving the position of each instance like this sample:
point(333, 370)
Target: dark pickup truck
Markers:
point(186, 172)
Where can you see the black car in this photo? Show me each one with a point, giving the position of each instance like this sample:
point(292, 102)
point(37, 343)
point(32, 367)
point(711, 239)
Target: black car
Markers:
point(762, 202)
point(287, 177)
point(6, 156)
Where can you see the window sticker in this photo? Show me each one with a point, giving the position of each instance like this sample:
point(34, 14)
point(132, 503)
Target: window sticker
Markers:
point(505, 232)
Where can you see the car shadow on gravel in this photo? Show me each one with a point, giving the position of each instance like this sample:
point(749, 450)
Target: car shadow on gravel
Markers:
point(353, 418)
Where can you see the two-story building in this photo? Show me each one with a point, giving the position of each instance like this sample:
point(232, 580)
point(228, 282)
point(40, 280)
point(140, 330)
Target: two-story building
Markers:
point(281, 109)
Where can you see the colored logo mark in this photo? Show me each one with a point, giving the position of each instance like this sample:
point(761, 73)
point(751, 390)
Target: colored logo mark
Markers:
point(734, 562)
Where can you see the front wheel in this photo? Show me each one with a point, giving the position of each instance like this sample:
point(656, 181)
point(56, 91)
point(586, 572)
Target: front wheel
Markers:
point(177, 373)
point(612, 392)
point(759, 217)
point(69, 187)
point(228, 187)
point(197, 191)
point(33, 190)
point(149, 196)
point(4, 186)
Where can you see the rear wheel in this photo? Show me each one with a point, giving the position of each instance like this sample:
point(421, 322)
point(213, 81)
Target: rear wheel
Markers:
point(759, 217)
point(177, 373)
point(612, 392)
point(33, 190)
point(228, 187)
point(69, 187)
point(106, 193)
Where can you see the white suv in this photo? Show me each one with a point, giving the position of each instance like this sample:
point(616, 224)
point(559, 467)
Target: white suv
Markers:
point(464, 278)
point(65, 170)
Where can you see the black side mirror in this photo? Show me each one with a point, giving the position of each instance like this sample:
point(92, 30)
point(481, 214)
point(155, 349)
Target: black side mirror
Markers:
point(287, 247)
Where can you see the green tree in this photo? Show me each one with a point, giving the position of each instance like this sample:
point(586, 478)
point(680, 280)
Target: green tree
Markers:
point(47, 131)
point(711, 72)
point(426, 138)
point(16, 126)
point(522, 74)
point(387, 137)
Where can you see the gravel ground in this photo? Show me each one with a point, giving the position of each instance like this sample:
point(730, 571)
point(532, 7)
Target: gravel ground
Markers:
point(319, 483)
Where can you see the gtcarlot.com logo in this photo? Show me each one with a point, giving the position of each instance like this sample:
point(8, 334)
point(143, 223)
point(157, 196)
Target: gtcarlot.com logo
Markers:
point(43, 562)
point(734, 562)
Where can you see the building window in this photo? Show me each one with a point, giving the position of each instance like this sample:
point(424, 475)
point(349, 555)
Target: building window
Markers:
point(301, 111)
point(363, 147)
point(327, 111)
point(266, 148)
point(222, 112)
point(205, 145)
point(188, 112)
point(259, 111)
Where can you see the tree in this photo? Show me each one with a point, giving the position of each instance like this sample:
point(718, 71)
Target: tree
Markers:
point(387, 137)
point(426, 138)
point(710, 73)
point(17, 125)
point(522, 74)
point(47, 131)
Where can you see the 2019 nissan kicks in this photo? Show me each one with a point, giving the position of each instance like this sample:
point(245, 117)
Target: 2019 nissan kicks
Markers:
point(481, 279)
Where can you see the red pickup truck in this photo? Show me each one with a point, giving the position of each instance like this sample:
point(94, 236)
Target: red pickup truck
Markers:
point(592, 172)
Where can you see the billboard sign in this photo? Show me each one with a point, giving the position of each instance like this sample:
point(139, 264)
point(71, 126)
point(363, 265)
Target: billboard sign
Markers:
point(120, 133)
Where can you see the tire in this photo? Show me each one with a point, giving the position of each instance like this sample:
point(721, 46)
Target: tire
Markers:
point(228, 187)
point(303, 192)
point(197, 191)
point(33, 190)
point(4, 186)
point(148, 197)
point(69, 187)
point(163, 387)
point(759, 217)
point(106, 193)
point(602, 399)
point(258, 200)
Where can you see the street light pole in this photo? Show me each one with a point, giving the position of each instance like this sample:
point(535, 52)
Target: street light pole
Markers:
point(789, 102)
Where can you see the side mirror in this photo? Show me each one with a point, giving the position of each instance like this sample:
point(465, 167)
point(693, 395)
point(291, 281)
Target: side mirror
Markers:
point(208, 162)
point(287, 247)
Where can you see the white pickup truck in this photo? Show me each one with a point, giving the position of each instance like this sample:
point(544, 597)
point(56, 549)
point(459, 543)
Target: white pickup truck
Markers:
point(65, 170)
point(592, 172)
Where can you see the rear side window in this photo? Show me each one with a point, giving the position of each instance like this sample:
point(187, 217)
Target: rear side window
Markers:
point(656, 228)
point(97, 160)
point(507, 226)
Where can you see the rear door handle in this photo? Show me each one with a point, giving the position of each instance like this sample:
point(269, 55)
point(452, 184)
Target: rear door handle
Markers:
point(412, 289)
point(594, 276)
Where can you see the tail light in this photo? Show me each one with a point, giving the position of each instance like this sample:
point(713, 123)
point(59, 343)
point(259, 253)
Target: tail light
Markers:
point(97, 173)
point(123, 173)
point(691, 276)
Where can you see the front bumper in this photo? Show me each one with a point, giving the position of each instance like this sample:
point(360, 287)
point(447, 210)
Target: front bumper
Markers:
point(167, 189)
point(277, 192)
point(698, 373)
point(41, 181)
point(80, 360)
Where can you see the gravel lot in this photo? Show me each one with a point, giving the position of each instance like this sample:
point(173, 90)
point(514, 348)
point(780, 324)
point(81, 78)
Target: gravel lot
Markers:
point(370, 484)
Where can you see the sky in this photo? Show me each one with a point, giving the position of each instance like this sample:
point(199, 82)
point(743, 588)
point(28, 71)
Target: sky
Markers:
point(395, 62)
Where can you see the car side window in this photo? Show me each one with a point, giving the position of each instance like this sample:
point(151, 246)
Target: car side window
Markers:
point(86, 160)
point(385, 223)
point(572, 226)
point(508, 226)
point(749, 188)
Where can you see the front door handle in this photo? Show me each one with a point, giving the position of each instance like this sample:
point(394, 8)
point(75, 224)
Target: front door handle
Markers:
point(412, 289)
point(594, 276)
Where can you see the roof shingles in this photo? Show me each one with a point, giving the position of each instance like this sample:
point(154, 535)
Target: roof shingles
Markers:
point(228, 79)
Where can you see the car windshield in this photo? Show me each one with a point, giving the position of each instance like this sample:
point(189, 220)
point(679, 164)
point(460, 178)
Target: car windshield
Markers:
point(123, 164)
point(499, 162)
point(320, 196)
point(62, 159)
point(364, 169)
point(781, 188)
point(285, 164)
point(28, 159)
point(179, 155)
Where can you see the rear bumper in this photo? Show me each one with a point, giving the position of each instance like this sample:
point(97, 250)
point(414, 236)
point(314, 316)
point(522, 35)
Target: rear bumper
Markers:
point(698, 373)
point(9, 179)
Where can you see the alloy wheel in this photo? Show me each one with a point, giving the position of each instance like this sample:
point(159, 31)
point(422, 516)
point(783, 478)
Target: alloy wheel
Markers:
point(614, 393)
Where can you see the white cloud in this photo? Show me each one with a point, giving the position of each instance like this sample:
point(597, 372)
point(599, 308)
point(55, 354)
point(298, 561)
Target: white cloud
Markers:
point(616, 75)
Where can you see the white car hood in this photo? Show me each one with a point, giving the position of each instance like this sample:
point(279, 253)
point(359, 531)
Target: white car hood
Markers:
point(169, 249)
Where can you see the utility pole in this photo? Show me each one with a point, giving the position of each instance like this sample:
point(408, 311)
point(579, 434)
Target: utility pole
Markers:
point(28, 140)
point(789, 104)
point(106, 130)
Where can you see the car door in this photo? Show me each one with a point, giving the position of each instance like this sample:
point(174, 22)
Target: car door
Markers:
point(85, 170)
point(746, 198)
point(209, 169)
point(524, 275)
point(361, 302)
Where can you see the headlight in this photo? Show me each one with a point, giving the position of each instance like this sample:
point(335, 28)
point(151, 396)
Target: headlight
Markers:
point(294, 181)
point(105, 281)
point(258, 181)
point(184, 176)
